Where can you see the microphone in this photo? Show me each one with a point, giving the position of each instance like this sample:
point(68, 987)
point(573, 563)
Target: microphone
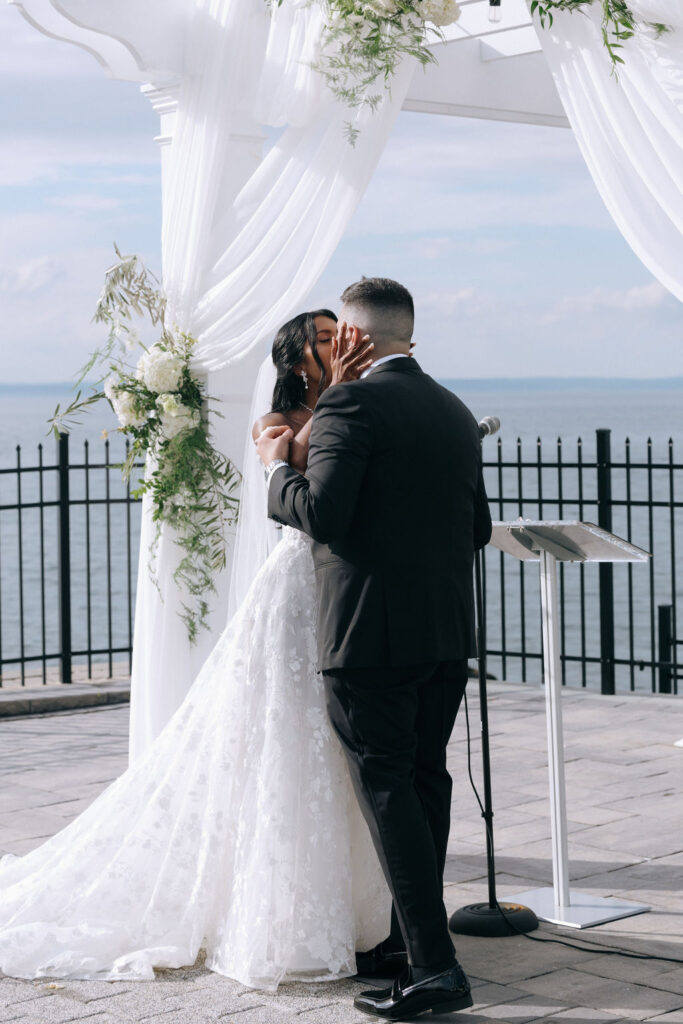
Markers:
point(489, 425)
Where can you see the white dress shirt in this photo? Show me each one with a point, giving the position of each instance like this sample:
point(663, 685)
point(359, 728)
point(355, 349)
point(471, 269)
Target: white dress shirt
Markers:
point(383, 359)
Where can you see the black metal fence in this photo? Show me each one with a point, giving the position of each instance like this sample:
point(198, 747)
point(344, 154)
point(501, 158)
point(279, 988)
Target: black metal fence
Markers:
point(68, 561)
point(69, 548)
point(618, 623)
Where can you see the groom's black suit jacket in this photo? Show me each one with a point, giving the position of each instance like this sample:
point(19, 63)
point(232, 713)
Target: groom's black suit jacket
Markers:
point(394, 500)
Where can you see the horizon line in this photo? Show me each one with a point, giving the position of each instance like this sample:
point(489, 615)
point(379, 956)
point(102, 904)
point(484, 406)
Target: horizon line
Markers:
point(546, 379)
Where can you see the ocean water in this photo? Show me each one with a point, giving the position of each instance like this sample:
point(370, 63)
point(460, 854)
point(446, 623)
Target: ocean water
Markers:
point(104, 544)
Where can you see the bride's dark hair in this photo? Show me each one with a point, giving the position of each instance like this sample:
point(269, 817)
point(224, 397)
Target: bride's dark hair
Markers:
point(288, 352)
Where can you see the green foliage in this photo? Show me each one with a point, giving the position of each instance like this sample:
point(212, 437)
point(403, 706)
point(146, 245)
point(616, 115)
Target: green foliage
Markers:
point(62, 419)
point(619, 23)
point(364, 41)
point(192, 486)
point(362, 49)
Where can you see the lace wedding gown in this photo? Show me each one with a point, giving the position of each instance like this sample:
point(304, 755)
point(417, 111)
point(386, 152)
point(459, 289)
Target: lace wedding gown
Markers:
point(237, 832)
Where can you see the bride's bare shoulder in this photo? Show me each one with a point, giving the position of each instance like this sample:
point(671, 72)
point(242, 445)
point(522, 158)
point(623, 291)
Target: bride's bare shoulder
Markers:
point(271, 419)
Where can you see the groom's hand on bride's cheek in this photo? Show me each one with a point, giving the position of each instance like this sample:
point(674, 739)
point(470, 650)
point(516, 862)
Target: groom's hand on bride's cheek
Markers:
point(273, 443)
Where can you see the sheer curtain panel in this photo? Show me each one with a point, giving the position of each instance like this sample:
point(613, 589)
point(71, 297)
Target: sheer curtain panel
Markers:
point(630, 127)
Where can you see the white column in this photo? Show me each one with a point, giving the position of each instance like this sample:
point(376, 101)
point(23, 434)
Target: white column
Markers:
point(164, 100)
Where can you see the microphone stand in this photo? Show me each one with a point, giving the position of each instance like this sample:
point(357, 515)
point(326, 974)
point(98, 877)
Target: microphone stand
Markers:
point(492, 919)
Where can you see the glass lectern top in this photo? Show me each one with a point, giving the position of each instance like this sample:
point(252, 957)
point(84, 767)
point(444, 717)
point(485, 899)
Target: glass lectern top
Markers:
point(568, 541)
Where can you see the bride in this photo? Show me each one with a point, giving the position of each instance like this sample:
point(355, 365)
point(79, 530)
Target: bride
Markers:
point(238, 831)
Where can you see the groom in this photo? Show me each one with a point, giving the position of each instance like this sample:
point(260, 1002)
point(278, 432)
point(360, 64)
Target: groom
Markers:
point(394, 500)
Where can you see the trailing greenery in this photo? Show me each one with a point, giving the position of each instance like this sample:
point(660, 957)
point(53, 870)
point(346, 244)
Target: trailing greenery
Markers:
point(619, 23)
point(162, 406)
point(364, 41)
point(363, 45)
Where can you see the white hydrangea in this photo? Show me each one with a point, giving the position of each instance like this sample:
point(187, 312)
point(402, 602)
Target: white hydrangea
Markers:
point(110, 387)
point(127, 409)
point(383, 8)
point(170, 404)
point(439, 12)
point(159, 370)
point(174, 416)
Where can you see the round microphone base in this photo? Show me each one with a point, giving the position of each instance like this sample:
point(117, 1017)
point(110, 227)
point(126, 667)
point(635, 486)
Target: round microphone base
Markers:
point(492, 922)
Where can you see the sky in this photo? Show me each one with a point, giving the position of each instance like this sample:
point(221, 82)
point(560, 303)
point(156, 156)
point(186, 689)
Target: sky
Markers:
point(516, 268)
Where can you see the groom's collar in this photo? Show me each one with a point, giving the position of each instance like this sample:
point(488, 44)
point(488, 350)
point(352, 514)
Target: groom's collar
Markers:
point(382, 360)
point(393, 363)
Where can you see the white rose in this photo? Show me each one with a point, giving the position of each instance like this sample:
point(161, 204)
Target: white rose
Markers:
point(175, 420)
point(170, 404)
point(383, 8)
point(110, 387)
point(128, 410)
point(439, 12)
point(159, 370)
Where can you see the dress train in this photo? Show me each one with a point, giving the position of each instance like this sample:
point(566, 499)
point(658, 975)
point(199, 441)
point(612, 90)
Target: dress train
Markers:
point(237, 832)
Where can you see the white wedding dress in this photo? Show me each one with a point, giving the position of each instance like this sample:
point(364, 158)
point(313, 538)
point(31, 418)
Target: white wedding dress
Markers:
point(238, 832)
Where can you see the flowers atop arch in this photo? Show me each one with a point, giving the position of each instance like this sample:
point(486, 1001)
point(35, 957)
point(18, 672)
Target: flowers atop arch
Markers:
point(364, 41)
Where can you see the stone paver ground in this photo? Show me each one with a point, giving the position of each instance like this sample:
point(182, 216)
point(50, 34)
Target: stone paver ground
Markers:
point(625, 810)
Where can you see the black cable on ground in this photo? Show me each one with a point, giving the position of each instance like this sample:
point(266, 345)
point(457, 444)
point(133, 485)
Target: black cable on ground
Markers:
point(592, 948)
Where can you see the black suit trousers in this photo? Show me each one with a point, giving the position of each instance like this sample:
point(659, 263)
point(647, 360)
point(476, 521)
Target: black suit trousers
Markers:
point(394, 725)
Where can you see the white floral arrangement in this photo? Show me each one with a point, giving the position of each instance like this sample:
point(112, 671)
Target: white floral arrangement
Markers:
point(364, 41)
point(163, 408)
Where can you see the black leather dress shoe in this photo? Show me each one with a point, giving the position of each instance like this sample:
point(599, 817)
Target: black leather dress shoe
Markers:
point(445, 992)
point(381, 963)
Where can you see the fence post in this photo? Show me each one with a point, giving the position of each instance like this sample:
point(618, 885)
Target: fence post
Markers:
point(665, 620)
point(606, 577)
point(64, 558)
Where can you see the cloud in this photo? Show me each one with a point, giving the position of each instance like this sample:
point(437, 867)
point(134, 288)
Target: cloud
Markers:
point(461, 301)
point(86, 204)
point(627, 300)
point(447, 174)
point(31, 277)
point(433, 248)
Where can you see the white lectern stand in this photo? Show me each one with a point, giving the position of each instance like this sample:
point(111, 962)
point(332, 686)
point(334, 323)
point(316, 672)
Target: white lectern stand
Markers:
point(547, 543)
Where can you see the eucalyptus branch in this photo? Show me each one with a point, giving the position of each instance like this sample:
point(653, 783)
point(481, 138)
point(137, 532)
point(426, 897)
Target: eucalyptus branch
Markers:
point(618, 22)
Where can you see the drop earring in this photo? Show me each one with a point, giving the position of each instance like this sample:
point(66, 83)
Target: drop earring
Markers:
point(304, 377)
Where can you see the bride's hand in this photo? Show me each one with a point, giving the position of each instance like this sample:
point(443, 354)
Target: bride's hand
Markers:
point(351, 354)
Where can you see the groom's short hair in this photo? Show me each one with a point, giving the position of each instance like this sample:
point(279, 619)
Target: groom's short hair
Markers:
point(383, 308)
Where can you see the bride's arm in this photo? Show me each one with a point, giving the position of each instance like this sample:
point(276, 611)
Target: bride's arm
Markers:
point(298, 450)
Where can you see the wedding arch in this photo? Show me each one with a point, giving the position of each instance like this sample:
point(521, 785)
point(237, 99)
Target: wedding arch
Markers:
point(249, 228)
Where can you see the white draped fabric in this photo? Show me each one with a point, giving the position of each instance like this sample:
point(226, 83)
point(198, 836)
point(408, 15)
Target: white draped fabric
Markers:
point(630, 128)
point(243, 242)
